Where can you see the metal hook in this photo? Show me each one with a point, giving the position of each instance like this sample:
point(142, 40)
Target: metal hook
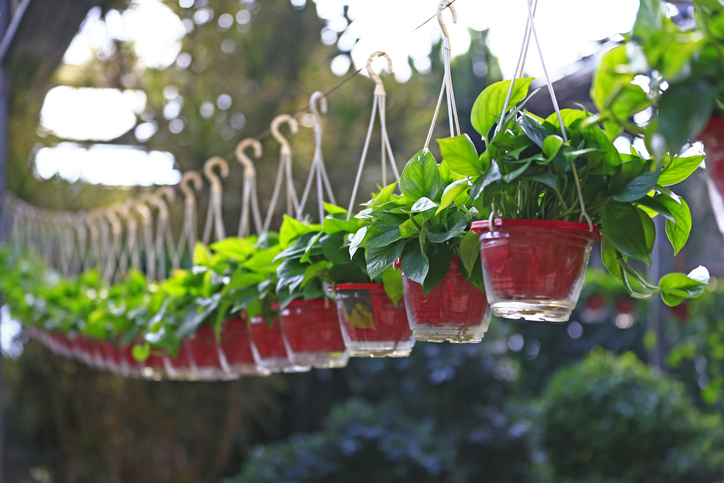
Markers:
point(113, 214)
point(166, 193)
point(211, 176)
point(245, 161)
point(380, 88)
point(293, 127)
point(155, 200)
point(191, 178)
point(441, 6)
point(317, 98)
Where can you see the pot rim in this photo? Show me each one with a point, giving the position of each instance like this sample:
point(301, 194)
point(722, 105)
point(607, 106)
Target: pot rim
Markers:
point(358, 286)
point(480, 226)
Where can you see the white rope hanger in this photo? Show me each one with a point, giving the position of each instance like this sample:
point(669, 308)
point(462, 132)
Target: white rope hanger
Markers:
point(116, 256)
point(250, 200)
point(213, 216)
point(530, 28)
point(285, 169)
point(80, 224)
point(317, 170)
point(447, 78)
point(187, 240)
point(379, 102)
point(146, 236)
point(164, 233)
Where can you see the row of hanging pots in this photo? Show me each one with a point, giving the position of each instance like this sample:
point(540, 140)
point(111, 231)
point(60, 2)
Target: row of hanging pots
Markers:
point(200, 357)
point(532, 269)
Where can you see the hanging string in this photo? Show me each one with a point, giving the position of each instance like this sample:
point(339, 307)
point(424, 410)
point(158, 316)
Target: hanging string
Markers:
point(81, 230)
point(250, 199)
point(149, 240)
point(187, 240)
point(213, 216)
point(317, 103)
point(116, 258)
point(380, 97)
point(447, 77)
point(530, 28)
point(164, 234)
point(285, 169)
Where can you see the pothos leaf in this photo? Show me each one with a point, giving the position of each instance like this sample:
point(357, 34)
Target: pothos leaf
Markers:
point(421, 177)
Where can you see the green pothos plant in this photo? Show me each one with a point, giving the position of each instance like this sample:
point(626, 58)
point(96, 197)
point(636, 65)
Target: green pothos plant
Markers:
point(425, 226)
point(531, 169)
point(676, 72)
point(317, 257)
point(231, 276)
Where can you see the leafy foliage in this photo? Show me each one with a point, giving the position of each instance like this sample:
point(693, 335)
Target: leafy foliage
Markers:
point(316, 257)
point(684, 72)
point(534, 170)
point(424, 226)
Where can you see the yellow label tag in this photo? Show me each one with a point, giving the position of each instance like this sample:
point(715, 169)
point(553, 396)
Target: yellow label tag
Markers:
point(360, 317)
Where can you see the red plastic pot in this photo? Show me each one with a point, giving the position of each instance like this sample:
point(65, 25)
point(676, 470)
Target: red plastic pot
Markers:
point(81, 350)
point(206, 353)
point(534, 269)
point(268, 347)
point(182, 367)
point(372, 326)
point(454, 311)
point(96, 350)
point(154, 367)
point(128, 366)
point(236, 348)
point(111, 357)
point(312, 333)
point(713, 139)
point(62, 346)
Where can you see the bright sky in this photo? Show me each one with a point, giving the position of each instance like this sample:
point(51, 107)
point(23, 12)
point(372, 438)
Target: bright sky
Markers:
point(567, 29)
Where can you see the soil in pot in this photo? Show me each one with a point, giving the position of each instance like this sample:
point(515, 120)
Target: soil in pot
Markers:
point(268, 347)
point(312, 333)
point(372, 326)
point(454, 311)
point(534, 269)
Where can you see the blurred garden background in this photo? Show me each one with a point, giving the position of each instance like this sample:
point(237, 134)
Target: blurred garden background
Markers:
point(130, 94)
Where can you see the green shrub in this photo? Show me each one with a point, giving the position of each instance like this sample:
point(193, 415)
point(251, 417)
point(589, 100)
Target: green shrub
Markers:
point(363, 443)
point(612, 418)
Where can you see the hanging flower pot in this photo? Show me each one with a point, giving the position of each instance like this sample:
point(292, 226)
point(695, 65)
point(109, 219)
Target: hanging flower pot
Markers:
point(713, 139)
point(81, 350)
point(129, 366)
point(268, 347)
point(205, 350)
point(62, 345)
point(153, 367)
point(534, 269)
point(111, 357)
point(454, 311)
point(372, 326)
point(312, 333)
point(182, 367)
point(45, 338)
point(236, 349)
